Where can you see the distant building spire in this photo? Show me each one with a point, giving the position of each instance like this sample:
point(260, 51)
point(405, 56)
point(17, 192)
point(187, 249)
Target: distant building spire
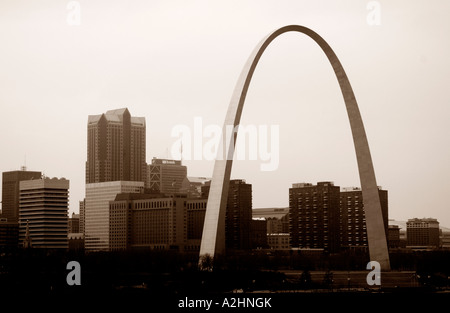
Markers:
point(24, 166)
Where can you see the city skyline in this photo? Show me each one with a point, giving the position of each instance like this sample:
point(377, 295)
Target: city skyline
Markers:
point(397, 70)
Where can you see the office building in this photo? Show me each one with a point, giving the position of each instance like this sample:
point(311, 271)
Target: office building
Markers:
point(193, 186)
point(278, 241)
point(115, 147)
point(258, 233)
point(238, 214)
point(10, 192)
point(277, 219)
point(196, 209)
point(96, 211)
point(43, 208)
point(422, 233)
point(148, 221)
point(9, 234)
point(314, 216)
point(445, 238)
point(166, 176)
point(74, 223)
point(82, 215)
point(353, 231)
point(76, 241)
point(393, 236)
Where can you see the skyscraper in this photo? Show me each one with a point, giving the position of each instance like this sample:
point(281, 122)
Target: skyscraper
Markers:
point(314, 216)
point(11, 191)
point(43, 207)
point(165, 176)
point(115, 147)
point(96, 210)
point(353, 231)
point(238, 214)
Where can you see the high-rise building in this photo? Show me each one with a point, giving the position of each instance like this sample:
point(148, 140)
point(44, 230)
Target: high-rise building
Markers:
point(9, 234)
point(422, 233)
point(82, 215)
point(314, 216)
point(166, 176)
point(10, 192)
point(238, 215)
point(115, 147)
point(353, 232)
point(258, 233)
point(74, 223)
point(151, 221)
point(43, 207)
point(393, 236)
point(196, 209)
point(96, 210)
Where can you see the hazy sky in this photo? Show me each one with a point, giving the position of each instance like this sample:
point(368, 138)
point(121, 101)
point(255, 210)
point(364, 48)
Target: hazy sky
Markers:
point(173, 61)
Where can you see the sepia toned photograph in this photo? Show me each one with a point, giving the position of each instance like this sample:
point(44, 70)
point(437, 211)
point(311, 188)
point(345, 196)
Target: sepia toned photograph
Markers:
point(225, 155)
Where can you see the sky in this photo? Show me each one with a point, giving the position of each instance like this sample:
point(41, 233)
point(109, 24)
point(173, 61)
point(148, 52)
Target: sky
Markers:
point(177, 62)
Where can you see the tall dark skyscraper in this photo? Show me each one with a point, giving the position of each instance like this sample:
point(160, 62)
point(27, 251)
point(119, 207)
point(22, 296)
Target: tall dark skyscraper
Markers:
point(353, 231)
point(238, 216)
point(314, 216)
point(115, 147)
point(10, 192)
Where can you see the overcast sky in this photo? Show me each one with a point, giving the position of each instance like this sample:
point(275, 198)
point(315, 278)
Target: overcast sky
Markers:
point(173, 61)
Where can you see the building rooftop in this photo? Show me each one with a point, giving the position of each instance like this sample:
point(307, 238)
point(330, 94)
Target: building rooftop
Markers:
point(116, 116)
point(422, 220)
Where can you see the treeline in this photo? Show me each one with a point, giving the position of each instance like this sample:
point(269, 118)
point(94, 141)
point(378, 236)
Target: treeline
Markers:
point(162, 272)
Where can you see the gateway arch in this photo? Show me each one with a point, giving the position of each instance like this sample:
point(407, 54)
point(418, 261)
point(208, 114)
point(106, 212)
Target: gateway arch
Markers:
point(213, 238)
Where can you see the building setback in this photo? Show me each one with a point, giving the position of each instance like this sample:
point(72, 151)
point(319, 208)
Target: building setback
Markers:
point(43, 207)
point(11, 191)
point(115, 147)
point(314, 216)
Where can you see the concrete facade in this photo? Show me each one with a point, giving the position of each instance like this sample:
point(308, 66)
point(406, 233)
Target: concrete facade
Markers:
point(43, 212)
point(213, 240)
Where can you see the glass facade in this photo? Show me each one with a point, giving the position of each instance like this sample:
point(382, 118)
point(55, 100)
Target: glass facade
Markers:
point(98, 196)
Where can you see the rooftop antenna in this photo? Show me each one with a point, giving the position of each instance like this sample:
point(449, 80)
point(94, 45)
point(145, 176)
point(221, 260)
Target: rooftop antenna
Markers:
point(24, 166)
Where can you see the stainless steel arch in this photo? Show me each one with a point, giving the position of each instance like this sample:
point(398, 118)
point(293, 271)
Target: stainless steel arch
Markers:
point(213, 238)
